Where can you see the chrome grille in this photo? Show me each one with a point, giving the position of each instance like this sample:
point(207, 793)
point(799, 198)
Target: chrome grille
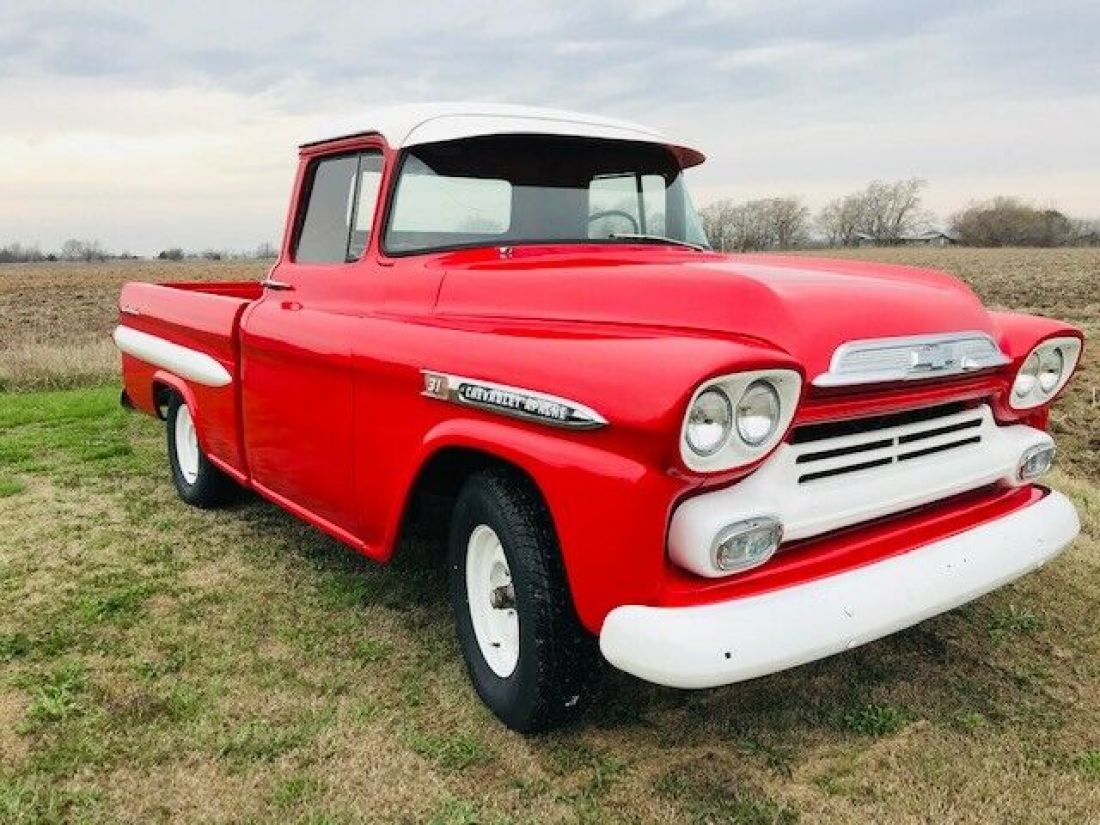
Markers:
point(905, 359)
point(828, 451)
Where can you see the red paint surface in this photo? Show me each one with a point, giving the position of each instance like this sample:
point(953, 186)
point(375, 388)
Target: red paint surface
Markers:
point(325, 415)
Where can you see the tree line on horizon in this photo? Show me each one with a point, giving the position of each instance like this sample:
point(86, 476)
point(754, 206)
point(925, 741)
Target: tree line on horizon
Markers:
point(90, 251)
point(887, 213)
point(884, 213)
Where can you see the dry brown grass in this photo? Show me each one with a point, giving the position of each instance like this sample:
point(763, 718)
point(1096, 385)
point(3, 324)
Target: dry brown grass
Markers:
point(56, 318)
point(159, 663)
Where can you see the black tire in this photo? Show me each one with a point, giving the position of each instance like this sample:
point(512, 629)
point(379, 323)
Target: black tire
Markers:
point(210, 487)
point(556, 662)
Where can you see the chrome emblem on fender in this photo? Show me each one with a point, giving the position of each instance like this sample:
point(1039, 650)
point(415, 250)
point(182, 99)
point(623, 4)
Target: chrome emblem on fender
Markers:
point(516, 402)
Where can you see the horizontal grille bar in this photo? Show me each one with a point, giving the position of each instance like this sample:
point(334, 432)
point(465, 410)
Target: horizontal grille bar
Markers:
point(855, 446)
point(839, 451)
point(851, 468)
point(835, 429)
point(939, 448)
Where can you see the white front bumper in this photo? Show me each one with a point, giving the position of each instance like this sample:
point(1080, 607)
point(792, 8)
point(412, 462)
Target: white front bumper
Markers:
point(717, 644)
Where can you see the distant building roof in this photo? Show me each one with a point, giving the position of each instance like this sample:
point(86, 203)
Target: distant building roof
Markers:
point(931, 234)
point(925, 235)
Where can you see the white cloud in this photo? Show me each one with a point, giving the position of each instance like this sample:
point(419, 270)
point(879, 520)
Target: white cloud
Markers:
point(149, 126)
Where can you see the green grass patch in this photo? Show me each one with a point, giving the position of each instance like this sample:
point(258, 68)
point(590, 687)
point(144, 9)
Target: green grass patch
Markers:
point(14, 646)
point(261, 740)
point(11, 487)
point(56, 696)
point(33, 802)
point(452, 752)
point(295, 791)
point(1013, 620)
point(1089, 764)
point(874, 720)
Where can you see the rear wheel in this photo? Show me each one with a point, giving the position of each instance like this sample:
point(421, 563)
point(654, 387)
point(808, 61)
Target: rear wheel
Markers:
point(527, 655)
point(197, 481)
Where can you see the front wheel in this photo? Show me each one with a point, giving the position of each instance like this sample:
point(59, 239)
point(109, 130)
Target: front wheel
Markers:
point(527, 655)
point(197, 481)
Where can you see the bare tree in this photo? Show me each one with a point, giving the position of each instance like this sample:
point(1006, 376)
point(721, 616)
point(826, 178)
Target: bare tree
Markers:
point(717, 221)
point(78, 250)
point(767, 223)
point(18, 253)
point(893, 209)
point(789, 221)
point(884, 211)
point(266, 251)
point(841, 220)
point(1086, 232)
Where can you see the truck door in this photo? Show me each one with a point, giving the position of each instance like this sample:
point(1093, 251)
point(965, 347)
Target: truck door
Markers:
point(298, 391)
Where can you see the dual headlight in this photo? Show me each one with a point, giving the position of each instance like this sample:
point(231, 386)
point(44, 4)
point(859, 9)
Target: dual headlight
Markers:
point(733, 419)
point(1044, 372)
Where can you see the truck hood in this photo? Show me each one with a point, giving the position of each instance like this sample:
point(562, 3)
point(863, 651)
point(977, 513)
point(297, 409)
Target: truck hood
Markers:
point(802, 306)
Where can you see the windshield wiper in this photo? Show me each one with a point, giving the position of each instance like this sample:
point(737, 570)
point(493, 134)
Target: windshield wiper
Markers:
point(638, 236)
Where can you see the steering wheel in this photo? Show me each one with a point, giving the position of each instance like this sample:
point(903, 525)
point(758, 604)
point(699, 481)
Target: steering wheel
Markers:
point(616, 213)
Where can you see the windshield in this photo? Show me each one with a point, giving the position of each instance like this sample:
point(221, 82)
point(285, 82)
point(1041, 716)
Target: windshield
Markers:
point(538, 189)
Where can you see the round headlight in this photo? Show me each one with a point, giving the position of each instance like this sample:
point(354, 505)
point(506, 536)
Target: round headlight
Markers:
point(709, 422)
point(758, 413)
point(1026, 377)
point(1051, 364)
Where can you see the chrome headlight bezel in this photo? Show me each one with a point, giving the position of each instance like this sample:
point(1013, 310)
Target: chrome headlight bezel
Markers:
point(720, 414)
point(735, 451)
point(759, 405)
point(1029, 389)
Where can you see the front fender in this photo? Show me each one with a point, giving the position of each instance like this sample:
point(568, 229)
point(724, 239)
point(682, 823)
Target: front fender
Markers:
point(610, 510)
point(1018, 334)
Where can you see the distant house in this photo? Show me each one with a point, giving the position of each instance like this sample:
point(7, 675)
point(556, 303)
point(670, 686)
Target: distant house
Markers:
point(930, 237)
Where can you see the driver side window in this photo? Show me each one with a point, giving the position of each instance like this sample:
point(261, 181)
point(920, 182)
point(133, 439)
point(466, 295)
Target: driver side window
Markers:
point(339, 208)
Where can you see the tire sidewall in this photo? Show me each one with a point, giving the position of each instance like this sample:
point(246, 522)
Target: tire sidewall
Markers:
point(513, 698)
point(197, 492)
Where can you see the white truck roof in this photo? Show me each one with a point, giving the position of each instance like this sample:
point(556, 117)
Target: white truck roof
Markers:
point(417, 123)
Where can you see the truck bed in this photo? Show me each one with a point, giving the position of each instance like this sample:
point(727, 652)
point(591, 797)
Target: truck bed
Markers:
point(168, 334)
point(189, 313)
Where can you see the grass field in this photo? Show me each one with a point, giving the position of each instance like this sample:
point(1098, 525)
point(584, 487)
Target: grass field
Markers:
point(159, 663)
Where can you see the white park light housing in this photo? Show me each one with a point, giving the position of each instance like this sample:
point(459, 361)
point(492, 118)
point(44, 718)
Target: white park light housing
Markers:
point(1044, 372)
point(735, 419)
point(746, 544)
point(1035, 462)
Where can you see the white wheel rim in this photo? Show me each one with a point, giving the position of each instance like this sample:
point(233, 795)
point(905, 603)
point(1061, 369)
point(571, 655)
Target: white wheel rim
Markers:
point(491, 599)
point(187, 445)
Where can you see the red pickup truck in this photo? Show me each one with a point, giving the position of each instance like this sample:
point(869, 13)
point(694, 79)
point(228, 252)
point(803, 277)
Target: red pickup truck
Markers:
point(706, 467)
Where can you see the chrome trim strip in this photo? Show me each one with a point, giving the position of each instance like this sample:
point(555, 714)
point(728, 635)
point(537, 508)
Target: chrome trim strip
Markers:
point(516, 402)
point(925, 356)
point(182, 361)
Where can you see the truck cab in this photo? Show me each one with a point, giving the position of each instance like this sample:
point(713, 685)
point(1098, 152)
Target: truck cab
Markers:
point(701, 468)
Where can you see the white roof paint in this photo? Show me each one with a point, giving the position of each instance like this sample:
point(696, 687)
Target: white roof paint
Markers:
point(417, 123)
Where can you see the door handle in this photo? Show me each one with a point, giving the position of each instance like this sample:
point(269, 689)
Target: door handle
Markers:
point(278, 286)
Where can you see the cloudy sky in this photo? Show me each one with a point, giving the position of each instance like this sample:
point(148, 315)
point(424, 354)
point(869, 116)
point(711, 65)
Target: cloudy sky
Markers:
point(146, 125)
